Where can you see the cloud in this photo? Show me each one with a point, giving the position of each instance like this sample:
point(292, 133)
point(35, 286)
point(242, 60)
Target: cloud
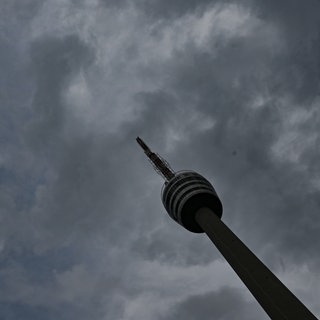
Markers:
point(227, 89)
point(226, 303)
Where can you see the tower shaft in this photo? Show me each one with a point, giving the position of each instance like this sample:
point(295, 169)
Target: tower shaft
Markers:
point(274, 297)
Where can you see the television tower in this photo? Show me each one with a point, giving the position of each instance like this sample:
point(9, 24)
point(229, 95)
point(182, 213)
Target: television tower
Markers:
point(191, 201)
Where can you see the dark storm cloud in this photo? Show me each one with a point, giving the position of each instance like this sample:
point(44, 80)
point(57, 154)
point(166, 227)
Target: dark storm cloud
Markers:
point(226, 304)
point(54, 63)
point(230, 90)
point(299, 64)
point(82, 169)
point(171, 9)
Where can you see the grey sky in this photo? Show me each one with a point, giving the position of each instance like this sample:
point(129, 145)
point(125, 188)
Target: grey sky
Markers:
point(229, 89)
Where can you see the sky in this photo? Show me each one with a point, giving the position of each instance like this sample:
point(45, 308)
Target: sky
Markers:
point(229, 89)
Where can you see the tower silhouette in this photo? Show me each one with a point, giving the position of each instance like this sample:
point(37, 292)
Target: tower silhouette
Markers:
point(191, 201)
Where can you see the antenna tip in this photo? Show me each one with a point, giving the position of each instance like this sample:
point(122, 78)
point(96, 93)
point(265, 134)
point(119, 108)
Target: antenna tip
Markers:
point(143, 145)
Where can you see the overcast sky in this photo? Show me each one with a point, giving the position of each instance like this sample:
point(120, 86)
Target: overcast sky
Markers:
point(227, 88)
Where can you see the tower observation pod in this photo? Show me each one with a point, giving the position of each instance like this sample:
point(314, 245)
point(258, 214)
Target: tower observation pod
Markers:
point(192, 201)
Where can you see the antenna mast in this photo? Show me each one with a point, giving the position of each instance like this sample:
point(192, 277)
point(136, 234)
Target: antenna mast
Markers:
point(160, 165)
